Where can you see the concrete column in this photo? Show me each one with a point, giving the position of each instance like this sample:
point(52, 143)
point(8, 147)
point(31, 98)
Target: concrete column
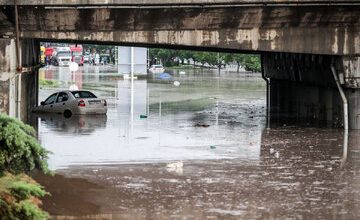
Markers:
point(30, 61)
point(302, 89)
point(348, 69)
point(18, 92)
point(353, 96)
point(7, 77)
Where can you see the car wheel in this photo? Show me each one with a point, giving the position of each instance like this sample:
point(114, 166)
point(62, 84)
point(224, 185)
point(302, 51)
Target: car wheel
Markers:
point(67, 113)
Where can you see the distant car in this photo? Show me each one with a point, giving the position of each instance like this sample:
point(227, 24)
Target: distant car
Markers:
point(104, 59)
point(96, 59)
point(61, 58)
point(156, 69)
point(86, 58)
point(72, 102)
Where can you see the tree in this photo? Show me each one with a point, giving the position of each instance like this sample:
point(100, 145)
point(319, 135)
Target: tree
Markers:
point(252, 63)
point(240, 60)
point(166, 56)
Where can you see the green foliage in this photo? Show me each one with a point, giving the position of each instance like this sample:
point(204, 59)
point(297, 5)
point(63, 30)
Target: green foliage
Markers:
point(19, 198)
point(249, 61)
point(252, 63)
point(20, 150)
point(23, 190)
point(48, 83)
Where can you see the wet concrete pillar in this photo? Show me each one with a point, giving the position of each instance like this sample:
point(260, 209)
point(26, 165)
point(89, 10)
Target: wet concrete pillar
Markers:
point(30, 61)
point(7, 77)
point(18, 91)
point(302, 89)
point(348, 70)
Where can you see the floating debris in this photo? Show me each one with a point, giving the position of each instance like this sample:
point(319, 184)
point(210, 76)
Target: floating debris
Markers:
point(276, 155)
point(176, 83)
point(201, 125)
point(272, 151)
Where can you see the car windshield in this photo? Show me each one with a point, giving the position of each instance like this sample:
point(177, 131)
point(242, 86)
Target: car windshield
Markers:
point(63, 54)
point(83, 94)
point(77, 53)
point(158, 66)
point(50, 99)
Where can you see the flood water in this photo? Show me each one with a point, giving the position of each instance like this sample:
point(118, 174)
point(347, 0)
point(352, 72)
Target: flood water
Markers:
point(233, 167)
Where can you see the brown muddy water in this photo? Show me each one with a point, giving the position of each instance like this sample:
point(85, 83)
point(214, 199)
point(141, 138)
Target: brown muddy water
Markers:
point(233, 167)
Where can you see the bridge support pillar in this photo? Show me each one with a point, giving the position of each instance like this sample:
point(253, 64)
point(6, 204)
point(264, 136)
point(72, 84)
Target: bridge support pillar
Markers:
point(18, 90)
point(7, 76)
point(302, 89)
point(348, 70)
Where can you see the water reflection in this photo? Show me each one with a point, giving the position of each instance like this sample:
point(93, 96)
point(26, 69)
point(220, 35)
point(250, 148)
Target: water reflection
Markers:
point(233, 111)
point(73, 126)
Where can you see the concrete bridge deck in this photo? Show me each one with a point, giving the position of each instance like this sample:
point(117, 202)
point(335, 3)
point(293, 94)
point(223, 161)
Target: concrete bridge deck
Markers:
point(179, 2)
point(315, 27)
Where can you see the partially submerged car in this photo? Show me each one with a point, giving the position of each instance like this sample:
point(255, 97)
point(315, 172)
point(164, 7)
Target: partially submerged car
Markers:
point(69, 102)
point(156, 69)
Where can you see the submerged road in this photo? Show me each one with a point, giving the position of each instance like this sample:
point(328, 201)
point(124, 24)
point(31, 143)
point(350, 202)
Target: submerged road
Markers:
point(115, 167)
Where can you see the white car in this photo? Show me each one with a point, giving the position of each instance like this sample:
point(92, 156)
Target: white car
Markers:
point(156, 69)
point(73, 102)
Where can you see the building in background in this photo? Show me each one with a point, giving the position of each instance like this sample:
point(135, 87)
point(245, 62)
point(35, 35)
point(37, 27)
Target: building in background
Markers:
point(124, 60)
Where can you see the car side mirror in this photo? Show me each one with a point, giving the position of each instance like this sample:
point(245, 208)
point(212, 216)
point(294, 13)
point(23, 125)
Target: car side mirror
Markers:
point(64, 99)
point(42, 103)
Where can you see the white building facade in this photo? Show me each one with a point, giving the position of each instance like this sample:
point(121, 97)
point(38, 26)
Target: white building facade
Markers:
point(140, 60)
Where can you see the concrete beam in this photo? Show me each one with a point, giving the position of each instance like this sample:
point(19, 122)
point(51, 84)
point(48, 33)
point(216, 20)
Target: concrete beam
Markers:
point(324, 30)
point(241, 40)
point(174, 2)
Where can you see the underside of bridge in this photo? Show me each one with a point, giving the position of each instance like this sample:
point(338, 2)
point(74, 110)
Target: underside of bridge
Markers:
point(302, 46)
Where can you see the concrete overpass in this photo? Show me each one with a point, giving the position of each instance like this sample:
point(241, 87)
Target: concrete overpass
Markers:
point(299, 41)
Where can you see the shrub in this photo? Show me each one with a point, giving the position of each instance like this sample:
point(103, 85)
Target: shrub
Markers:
point(20, 150)
point(18, 198)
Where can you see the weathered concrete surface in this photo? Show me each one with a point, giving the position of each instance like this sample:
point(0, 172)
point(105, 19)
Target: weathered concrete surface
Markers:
point(7, 72)
point(297, 29)
point(350, 71)
point(169, 2)
point(30, 50)
point(353, 97)
point(18, 92)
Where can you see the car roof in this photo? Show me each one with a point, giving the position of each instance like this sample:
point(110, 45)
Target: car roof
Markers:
point(73, 91)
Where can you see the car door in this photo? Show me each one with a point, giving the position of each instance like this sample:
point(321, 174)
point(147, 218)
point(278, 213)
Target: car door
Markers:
point(49, 103)
point(61, 102)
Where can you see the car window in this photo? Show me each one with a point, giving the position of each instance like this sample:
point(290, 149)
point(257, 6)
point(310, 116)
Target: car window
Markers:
point(51, 99)
point(83, 94)
point(64, 54)
point(61, 96)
